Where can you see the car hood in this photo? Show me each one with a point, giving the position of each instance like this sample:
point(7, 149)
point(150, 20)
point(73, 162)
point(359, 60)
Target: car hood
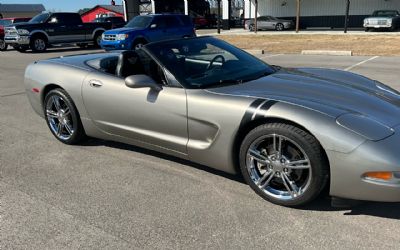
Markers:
point(27, 25)
point(123, 30)
point(337, 91)
point(379, 18)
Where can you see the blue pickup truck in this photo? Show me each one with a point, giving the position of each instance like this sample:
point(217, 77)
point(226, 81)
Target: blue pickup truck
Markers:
point(149, 28)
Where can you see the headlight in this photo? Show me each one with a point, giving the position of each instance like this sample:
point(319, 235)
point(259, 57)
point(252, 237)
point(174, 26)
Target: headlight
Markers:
point(102, 36)
point(365, 126)
point(366, 21)
point(122, 37)
point(23, 32)
point(389, 22)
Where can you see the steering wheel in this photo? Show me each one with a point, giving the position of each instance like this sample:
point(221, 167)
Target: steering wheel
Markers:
point(214, 60)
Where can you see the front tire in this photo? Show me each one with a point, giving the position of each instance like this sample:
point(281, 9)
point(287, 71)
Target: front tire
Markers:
point(3, 45)
point(279, 27)
point(38, 44)
point(21, 49)
point(138, 44)
point(62, 117)
point(283, 164)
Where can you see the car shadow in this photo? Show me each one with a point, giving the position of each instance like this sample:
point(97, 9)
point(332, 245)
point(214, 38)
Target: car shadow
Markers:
point(322, 204)
point(127, 147)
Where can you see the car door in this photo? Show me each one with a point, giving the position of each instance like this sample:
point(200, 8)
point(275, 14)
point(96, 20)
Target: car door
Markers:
point(158, 29)
point(262, 23)
point(63, 28)
point(147, 116)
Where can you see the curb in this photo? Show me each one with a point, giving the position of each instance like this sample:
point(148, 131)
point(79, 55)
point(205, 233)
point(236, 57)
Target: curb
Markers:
point(327, 52)
point(255, 51)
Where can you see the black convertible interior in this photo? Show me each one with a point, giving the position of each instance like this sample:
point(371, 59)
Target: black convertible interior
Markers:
point(129, 63)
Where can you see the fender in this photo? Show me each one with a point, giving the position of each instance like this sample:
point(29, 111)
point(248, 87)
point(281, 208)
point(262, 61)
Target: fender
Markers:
point(96, 30)
point(34, 32)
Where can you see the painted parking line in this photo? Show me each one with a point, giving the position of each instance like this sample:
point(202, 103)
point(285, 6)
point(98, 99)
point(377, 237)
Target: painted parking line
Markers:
point(360, 63)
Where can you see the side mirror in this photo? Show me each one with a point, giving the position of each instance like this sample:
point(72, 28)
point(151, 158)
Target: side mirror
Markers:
point(153, 26)
point(141, 81)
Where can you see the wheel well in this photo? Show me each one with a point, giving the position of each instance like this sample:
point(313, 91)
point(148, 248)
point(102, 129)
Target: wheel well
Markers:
point(98, 32)
point(244, 130)
point(140, 39)
point(41, 35)
point(47, 89)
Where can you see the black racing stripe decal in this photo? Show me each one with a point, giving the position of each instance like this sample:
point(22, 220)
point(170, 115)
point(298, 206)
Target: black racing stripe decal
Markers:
point(265, 107)
point(252, 110)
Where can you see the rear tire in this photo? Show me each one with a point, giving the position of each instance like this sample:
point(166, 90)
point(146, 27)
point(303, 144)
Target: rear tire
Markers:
point(97, 39)
point(63, 118)
point(283, 164)
point(252, 27)
point(82, 45)
point(3, 45)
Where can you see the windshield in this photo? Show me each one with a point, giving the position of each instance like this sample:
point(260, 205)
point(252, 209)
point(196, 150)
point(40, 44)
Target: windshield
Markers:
point(385, 13)
point(41, 18)
point(5, 22)
point(139, 22)
point(208, 62)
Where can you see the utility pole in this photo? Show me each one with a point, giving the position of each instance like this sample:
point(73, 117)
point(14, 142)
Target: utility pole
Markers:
point(219, 17)
point(346, 21)
point(256, 17)
point(298, 16)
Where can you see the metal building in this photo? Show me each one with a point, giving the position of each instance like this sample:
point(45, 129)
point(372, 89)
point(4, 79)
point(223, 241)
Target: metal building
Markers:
point(314, 13)
point(320, 13)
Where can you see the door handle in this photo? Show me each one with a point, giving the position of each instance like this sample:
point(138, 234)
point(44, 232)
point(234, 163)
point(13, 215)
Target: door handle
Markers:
point(95, 83)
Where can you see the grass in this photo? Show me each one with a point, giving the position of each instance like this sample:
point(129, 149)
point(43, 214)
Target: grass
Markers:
point(381, 45)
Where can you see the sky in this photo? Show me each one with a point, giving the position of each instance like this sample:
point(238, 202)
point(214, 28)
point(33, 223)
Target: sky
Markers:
point(62, 5)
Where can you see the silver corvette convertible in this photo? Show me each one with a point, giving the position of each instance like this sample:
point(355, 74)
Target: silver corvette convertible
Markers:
point(289, 132)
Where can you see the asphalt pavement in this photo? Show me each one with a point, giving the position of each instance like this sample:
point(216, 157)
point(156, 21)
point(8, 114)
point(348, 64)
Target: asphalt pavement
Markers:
point(106, 195)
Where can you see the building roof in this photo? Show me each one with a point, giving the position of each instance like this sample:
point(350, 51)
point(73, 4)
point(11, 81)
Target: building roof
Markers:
point(113, 8)
point(22, 8)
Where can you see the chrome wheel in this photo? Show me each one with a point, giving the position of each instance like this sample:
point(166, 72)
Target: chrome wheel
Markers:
point(59, 117)
point(39, 44)
point(279, 167)
point(280, 27)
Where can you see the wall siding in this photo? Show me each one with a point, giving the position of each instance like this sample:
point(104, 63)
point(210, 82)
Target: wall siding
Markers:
point(324, 7)
point(323, 13)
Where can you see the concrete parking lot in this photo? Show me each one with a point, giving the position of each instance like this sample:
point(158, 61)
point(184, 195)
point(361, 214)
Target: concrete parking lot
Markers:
point(106, 195)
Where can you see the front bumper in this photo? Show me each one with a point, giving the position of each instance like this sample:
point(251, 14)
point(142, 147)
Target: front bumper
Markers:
point(17, 40)
point(115, 45)
point(347, 171)
point(378, 26)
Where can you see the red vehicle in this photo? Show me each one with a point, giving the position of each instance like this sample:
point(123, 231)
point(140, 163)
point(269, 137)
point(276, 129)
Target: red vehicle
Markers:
point(6, 22)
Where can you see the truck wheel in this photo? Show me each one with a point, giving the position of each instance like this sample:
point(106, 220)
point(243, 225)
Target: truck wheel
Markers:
point(3, 45)
point(82, 45)
point(97, 39)
point(138, 44)
point(21, 49)
point(38, 44)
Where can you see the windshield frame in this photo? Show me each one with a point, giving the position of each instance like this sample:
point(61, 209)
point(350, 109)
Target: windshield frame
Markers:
point(41, 20)
point(150, 18)
point(149, 48)
point(387, 13)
